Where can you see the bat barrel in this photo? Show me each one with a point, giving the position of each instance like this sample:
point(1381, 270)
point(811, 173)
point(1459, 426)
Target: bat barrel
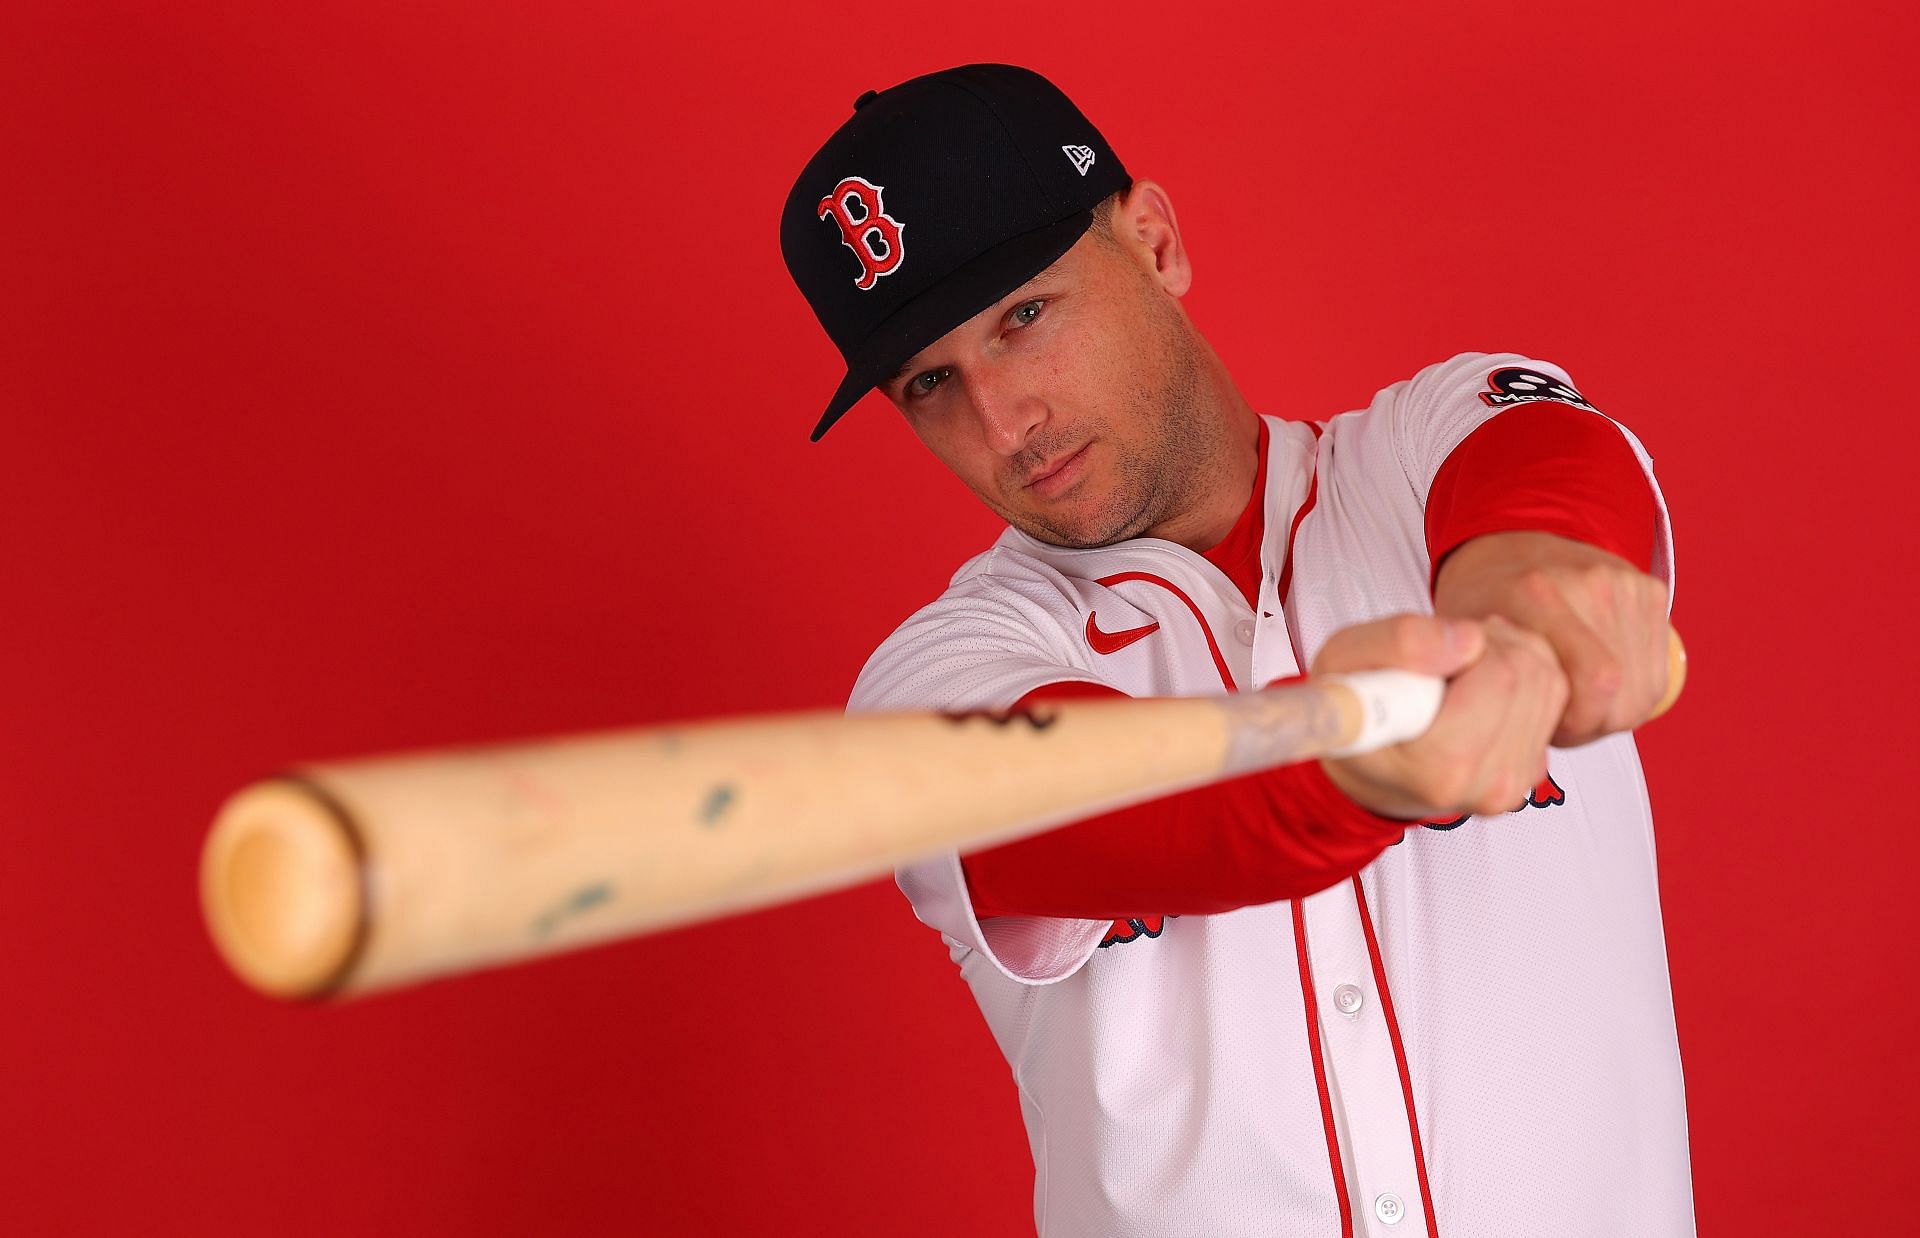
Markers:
point(344, 878)
point(348, 877)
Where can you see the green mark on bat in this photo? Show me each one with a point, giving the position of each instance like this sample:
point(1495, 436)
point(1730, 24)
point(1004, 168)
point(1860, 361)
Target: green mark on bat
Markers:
point(718, 801)
point(583, 899)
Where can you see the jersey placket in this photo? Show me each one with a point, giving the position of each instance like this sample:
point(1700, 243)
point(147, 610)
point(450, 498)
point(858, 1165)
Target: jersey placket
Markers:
point(1291, 491)
point(1370, 1112)
point(1375, 1133)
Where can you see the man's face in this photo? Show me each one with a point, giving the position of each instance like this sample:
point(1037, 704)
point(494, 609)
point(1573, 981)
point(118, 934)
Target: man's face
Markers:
point(1074, 406)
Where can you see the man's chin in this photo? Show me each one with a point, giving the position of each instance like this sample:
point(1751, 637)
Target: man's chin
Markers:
point(1083, 534)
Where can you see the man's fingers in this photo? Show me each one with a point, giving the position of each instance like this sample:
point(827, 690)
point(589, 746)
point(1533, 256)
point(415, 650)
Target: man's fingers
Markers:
point(1423, 643)
point(1596, 682)
point(1487, 746)
point(1513, 699)
point(1605, 618)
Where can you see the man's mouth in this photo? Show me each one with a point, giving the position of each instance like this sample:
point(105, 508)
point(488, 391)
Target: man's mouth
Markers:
point(1056, 475)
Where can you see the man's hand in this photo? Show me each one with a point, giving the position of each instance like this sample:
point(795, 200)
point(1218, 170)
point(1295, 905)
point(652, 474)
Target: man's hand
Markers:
point(1487, 747)
point(1605, 619)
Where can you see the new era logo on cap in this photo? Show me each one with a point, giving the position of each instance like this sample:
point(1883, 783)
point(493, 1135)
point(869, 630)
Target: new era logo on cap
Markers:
point(1082, 157)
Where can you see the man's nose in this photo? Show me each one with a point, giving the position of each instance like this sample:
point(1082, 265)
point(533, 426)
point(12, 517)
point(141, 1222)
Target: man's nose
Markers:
point(1009, 411)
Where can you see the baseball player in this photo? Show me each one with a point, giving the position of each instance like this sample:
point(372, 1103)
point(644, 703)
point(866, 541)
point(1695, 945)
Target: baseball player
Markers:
point(1418, 992)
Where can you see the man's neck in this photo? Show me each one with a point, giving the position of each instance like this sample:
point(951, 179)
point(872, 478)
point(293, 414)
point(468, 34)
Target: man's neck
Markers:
point(1228, 480)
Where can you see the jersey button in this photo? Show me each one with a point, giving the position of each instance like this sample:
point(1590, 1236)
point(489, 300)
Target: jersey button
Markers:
point(1389, 1209)
point(1348, 999)
point(1243, 631)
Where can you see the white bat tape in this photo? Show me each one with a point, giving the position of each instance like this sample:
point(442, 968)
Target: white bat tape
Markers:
point(1397, 706)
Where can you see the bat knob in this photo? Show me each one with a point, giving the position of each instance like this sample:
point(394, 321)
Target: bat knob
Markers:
point(281, 886)
point(1676, 674)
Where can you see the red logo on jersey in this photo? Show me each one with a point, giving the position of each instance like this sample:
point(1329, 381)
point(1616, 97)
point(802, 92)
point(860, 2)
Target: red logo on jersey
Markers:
point(1545, 794)
point(1124, 931)
point(872, 235)
point(1114, 642)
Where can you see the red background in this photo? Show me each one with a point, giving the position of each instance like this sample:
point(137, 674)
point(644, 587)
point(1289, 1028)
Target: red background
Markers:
point(374, 378)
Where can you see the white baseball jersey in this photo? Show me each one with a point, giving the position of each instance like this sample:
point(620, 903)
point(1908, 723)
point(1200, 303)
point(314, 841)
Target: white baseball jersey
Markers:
point(1473, 1037)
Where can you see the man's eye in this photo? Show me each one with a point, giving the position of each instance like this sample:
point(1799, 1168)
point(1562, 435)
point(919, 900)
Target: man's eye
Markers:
point(1025, 313)
point(923, 384)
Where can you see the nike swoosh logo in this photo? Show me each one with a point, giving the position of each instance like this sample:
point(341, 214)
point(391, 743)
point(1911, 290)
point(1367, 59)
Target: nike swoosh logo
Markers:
point(1114, 642)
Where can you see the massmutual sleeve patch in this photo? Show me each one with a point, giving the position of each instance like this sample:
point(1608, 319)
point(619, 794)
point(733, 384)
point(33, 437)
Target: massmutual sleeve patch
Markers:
point(1512, 385)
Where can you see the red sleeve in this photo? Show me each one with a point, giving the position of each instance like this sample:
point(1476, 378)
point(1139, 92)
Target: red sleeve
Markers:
point(1281, 833)
point(1551, 468)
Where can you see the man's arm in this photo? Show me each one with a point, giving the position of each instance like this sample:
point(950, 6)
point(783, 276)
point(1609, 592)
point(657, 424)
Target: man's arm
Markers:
point(1543, 516)
point(1292, 831)
point(1280, 833)
point(1554, 607)
point(1605, 619)
point(1542, 523)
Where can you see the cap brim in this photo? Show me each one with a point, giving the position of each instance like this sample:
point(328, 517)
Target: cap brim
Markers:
point(968, 290)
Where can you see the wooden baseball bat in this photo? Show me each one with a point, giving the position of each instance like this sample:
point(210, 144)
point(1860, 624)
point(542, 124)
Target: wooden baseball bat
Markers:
point(339, 879)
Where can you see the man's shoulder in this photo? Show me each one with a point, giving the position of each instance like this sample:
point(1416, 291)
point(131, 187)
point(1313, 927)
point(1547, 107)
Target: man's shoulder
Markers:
point(1018, 565)
point(1012, 585)
point(1417, 420)
point(1009, 619)
point(1484, 379)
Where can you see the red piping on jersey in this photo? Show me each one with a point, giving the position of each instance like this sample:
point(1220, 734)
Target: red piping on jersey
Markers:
point(1299, 914)
point(1399, 1054)
point(1285, 583)
point(1320, 1071)
point(1293, 531)
point(1219, 663)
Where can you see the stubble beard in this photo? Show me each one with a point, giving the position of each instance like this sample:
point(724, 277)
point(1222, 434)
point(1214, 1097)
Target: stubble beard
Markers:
point(1169, 469)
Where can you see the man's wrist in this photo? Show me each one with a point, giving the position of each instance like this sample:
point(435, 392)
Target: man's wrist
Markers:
point(1383, 807)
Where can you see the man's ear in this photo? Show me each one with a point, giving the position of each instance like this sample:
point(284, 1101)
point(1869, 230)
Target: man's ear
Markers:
point(1145, 226)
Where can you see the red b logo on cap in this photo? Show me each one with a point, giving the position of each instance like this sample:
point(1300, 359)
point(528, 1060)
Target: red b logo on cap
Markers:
point(873, 235)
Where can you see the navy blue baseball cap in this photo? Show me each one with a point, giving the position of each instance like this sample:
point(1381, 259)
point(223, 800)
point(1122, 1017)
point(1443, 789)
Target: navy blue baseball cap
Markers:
point(935, 199)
